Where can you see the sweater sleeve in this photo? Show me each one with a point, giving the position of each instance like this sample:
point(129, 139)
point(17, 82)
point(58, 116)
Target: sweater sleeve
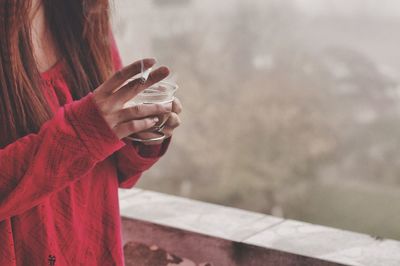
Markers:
point(133, 159)
point(66, 148)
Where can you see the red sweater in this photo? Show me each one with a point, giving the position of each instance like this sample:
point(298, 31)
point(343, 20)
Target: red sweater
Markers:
point(59, 187)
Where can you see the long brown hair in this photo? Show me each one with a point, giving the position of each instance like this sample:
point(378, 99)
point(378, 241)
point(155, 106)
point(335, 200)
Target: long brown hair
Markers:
point(81, 31)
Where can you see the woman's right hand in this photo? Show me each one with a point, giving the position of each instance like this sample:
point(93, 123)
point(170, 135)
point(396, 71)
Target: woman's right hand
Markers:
point(110, 102)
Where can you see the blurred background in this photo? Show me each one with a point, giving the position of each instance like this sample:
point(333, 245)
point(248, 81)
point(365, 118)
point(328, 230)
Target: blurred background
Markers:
point(292, 107)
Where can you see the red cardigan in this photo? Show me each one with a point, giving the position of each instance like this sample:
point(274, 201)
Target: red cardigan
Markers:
point(59, 187)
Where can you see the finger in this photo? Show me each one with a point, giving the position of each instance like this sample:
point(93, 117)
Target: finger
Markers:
point(156, 76)
point(177, 106)
point(124, 74)
point(138, 112)
point(133, 88)
point(168, 132)
point(173, 121)
point(134, 126)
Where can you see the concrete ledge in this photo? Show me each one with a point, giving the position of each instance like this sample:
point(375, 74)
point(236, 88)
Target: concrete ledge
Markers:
point(229, 236)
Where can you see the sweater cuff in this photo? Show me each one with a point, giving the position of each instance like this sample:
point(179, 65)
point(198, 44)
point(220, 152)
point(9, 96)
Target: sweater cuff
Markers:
point(92, 128)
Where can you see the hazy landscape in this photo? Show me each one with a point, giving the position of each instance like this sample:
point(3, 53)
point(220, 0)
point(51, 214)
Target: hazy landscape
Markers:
point(292, 108)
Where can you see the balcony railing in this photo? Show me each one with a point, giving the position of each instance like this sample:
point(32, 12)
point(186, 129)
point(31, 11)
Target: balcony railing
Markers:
point(207, 233)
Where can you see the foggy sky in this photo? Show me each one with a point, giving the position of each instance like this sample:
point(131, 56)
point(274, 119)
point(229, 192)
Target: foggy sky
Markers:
point(387, 8)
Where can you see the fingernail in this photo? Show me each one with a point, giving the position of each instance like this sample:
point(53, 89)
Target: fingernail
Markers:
point(155, 119)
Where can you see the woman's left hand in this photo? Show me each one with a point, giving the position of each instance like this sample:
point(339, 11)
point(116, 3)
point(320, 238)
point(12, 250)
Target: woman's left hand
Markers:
point(171, 124)
point(173, 120)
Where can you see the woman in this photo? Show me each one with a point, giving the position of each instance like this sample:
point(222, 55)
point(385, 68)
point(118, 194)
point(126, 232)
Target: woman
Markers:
point(64, 151)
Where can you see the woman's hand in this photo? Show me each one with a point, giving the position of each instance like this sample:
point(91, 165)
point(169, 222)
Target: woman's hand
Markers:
point(173, 121)
point(110, 100)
